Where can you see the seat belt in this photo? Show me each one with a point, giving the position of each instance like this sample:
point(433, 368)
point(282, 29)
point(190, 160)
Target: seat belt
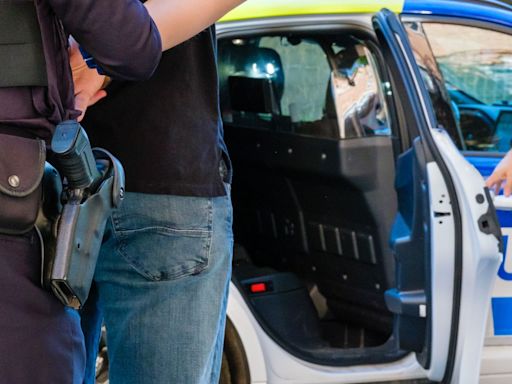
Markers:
point(22, 62)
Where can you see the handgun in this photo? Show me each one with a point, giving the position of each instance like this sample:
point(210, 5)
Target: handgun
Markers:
point(75, 159)
point(93, 185)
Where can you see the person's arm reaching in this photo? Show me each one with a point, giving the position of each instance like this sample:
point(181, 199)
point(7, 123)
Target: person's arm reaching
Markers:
point(179, 20)
point(502, 175)
point(119, 34)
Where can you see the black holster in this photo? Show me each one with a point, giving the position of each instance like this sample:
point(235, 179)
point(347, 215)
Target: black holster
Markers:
point(72, 233)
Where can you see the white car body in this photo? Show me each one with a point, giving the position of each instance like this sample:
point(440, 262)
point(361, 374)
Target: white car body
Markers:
point(270, 363)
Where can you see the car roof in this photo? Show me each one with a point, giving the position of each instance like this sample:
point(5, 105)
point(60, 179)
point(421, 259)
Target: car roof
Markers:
point(490, 11)
point(256, 9)
point(493, 11)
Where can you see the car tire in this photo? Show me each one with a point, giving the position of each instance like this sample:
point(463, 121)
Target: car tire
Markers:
point(235, 368)
point(102, 360)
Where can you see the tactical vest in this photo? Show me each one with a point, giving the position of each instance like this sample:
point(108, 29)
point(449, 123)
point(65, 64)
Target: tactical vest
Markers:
point(36, 87)
point(21, 48)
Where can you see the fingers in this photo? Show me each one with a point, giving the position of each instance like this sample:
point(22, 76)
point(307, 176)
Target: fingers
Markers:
point(87, 82)
point(500, 179)
point(491, 180)
point(97, 97)
point(494, 182)
point(497, 187)
point(84, 100)
point(82, 114)
point(507, 190)
point(81, 104)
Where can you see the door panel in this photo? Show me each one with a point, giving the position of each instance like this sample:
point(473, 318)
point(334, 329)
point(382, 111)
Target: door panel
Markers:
point(482, 254)
point(499, 329)
point(425, 214)
point(461, 243)
point(475, 79)
point(442, 264)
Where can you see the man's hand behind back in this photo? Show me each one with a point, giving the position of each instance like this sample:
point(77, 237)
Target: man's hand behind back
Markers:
point(88, 82)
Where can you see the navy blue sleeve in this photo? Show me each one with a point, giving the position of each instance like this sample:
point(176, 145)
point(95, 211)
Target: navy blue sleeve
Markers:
point(119, 34)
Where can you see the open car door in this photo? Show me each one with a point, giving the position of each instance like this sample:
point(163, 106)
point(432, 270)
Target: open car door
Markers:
point(446, 238)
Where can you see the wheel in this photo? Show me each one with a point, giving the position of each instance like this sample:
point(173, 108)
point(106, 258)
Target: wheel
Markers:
point(235, 369)
point(102, 360)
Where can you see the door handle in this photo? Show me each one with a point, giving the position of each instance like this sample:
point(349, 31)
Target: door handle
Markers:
point(503, 203)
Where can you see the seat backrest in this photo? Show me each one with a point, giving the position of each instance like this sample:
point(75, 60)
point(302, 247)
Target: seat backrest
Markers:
point(248, 94)
point(262, 65)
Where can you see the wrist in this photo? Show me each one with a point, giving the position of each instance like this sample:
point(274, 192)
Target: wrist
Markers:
point(90, 62)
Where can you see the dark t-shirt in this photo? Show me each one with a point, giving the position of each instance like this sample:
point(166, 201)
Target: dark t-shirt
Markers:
point(166, 131)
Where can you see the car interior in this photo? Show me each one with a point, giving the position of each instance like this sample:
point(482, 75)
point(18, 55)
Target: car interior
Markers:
point(308, 125)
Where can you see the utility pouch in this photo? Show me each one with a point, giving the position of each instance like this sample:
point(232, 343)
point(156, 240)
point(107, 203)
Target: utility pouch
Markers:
point(22, 163)
point(73, 254)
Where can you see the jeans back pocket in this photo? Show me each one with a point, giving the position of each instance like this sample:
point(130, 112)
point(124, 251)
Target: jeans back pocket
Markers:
point(164, 237)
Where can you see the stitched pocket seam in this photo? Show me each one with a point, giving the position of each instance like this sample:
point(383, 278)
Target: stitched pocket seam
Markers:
point(168, 230)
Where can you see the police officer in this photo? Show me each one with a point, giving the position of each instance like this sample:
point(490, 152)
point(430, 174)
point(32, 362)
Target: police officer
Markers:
point(40, 340)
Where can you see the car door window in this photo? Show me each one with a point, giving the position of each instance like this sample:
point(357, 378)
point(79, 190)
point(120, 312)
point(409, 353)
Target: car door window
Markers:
point(311, 85)
point(306, 72)
point(476, 65)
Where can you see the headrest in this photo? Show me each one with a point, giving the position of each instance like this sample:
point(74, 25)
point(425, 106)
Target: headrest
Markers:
point(252, 62)
point(253, 95)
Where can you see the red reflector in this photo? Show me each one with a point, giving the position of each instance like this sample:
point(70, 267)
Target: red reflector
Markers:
point(258, 288)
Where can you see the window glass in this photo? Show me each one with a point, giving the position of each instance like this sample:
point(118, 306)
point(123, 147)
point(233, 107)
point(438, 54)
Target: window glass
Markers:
point(306, 71)
point(324, 86)
point(434, 83)
point(477, 68)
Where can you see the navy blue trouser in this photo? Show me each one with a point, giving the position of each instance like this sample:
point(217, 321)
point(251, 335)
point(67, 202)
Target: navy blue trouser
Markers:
point(40, 340)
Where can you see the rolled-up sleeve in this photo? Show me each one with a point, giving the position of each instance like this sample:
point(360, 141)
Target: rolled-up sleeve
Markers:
point(119, 34)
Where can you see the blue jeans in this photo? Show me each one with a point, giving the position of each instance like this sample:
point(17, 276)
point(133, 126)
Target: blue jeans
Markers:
point(161, 286)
